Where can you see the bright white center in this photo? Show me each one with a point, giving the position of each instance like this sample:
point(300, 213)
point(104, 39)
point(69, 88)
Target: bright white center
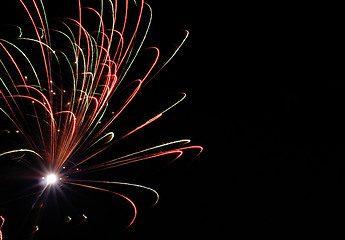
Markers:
point(51, 179)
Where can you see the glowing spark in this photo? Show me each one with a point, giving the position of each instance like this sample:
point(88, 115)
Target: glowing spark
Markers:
point(84, 218)
point(68, 219)
point(51, 179)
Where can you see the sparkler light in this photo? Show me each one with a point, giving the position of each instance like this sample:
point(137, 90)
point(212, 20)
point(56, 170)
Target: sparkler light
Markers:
point(63, 87)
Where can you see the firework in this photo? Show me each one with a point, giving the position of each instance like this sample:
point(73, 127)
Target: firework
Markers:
point(64, 86)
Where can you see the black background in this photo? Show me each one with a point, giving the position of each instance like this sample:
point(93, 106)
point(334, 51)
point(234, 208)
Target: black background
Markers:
point(264, 99)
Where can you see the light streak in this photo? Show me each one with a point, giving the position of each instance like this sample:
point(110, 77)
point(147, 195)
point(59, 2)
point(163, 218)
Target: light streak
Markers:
point(60, 102)
point(1, 225)
point(84, 218)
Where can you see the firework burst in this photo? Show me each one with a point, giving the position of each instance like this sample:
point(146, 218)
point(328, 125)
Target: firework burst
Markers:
point(64, 87)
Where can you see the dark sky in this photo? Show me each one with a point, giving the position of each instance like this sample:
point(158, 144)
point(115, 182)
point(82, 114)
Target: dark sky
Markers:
point(264, 100)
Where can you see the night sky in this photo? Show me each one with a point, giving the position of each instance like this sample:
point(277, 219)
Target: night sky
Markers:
point(264, 100)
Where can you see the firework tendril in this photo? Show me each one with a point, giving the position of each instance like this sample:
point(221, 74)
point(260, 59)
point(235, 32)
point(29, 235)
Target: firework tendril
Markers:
point(2, 224)
point(56, 87)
